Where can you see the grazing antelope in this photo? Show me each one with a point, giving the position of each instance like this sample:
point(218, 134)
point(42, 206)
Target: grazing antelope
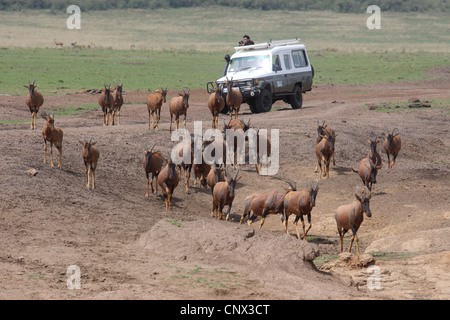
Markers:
point(300, 203)
point(117, 102)
point(106, 102)
point(216, 103)
point(168, 180)
point(367, 171)
point(178, 107)
point(392, 146)
point(152, 162)
point(324, 152)
point(54, 135)
point(34, 101)
point(223, 195)
point(154, 104)
point(263, 204)
point(90, 157)
point(350, 217)
point(320, 132)
point(234, 99)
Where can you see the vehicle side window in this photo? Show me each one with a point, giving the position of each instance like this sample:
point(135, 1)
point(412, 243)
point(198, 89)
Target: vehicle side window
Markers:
point(287, 61)
point(299, 58)
point(276, 63)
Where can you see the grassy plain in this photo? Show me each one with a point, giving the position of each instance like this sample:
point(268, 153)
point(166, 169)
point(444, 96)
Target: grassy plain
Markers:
point(185, 47)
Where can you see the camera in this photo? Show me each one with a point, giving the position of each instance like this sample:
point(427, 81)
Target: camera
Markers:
point(241, 43)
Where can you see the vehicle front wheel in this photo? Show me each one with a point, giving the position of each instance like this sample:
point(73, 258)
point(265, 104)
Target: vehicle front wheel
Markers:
point(264, 101)
point(296, 100)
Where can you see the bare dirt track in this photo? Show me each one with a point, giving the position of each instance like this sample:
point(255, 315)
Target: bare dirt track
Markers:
point(128, 247)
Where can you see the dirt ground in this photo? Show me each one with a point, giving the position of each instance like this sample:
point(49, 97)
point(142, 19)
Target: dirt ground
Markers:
point(128, 246)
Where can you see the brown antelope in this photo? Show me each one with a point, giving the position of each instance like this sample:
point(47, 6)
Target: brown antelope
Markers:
point(367, 171)
point(215, 175)
point(373, 155)
point(320, 133)
point(186, 153)
point(178, 107)
point(216, 103)
point(223, 195)
point(117, 102)
point(54, 135)
point(235, 124)
point(58, 44)
point(263, 204)
point(350, 217)
point(324, 152)
point(234, 99)
point(90, 157)
point(34, 101)
point(168, 180)
point(201, 171)
point(300, 203)
point(392, 146)
point(152, 162)
point(154, 104)
point(106, 102)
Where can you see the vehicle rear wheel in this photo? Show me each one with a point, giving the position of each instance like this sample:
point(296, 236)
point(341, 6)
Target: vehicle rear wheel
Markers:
point(296, 100)
point(264, 101)
point(252, 105)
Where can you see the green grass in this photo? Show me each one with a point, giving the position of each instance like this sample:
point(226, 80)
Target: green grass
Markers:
point(63, 70)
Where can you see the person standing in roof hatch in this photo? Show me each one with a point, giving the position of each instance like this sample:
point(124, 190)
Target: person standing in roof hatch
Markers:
point(246, 41)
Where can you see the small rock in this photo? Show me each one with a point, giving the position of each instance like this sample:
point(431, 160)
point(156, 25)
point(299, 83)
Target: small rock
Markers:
point(32, 171)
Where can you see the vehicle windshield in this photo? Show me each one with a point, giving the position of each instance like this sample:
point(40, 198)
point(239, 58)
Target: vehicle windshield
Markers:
point(247, 63)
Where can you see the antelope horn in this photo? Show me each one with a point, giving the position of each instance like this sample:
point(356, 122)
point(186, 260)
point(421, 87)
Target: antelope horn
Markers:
point(228, 175)
point(317, 185)
point(34, 81)
point(292, 184)
point(121, 82)
point(235, 175)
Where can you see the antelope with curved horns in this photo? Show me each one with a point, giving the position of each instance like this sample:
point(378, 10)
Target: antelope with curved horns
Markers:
point(34, 101)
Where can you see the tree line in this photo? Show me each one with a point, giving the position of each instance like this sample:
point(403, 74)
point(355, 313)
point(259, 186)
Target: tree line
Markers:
point(344, 6)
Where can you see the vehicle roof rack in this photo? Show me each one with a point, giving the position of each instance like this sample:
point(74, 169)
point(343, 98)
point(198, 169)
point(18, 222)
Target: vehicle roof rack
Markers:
point(267, 45)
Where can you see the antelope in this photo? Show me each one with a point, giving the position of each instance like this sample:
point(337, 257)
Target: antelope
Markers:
point(185, 148)
point(392, 145)
point(373, 155)
point(236, 124)
point(263, 204)
point(215, 175)
point(201, 172)
point(216, 104)
point(263, 149)
point(152, 163)
point(90, 157)
point(168, 180)
point(367, 171)
point(178, 107)
point(234, 99)
point(54, 135)
point(34, 101)
point(154, 103)
point(350, 217)
point(106, 102)
point(57, 43)
point(320, 133)
point(117, 102)
point(223, 195)
point(324, 152)
point(300, 203)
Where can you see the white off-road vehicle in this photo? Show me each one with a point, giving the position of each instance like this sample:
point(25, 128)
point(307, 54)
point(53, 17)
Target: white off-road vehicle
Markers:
point(267, 72)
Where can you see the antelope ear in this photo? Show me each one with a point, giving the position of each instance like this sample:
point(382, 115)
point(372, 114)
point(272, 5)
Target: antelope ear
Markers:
point(25, 86)
point(81, 142)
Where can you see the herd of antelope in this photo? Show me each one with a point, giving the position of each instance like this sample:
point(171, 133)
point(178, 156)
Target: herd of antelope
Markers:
point(217, 176)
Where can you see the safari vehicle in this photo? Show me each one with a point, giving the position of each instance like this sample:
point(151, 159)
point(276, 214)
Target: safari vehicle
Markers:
point(267, 72)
